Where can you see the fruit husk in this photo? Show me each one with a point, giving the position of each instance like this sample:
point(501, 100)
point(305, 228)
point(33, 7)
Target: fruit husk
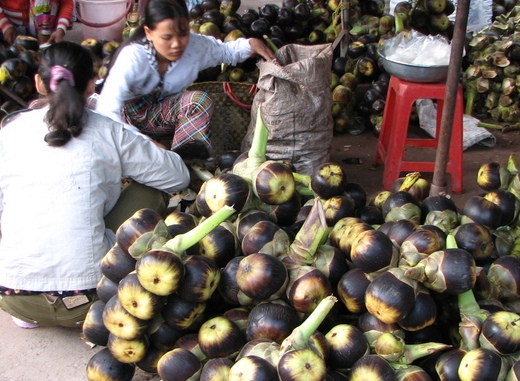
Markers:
point(219, 337)
point(263, 347)
point(142, 221)
point(504, 277)
point(273, 320)
point(446, 220)
point(449, 270)
point(390, 296)
point(94, 331)
point(128, 351)
point(104, 366)
point(306, 288)
point(150, 240)
point(312, 234)
point(482, 364)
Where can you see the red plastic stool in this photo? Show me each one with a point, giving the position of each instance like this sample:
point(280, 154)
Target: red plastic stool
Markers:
point(393, 137)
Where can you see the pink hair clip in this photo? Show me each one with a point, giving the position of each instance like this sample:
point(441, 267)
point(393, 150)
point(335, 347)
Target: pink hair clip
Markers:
point(59, 73)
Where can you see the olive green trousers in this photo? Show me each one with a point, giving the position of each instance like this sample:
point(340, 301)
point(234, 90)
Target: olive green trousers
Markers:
point(135, 196)
point(45, 310)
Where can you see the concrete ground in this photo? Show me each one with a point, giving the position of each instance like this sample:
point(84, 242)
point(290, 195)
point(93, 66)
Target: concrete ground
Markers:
point(60, 354)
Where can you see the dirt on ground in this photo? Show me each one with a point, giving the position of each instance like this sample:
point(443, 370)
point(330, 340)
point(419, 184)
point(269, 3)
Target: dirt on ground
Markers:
point(347, 148)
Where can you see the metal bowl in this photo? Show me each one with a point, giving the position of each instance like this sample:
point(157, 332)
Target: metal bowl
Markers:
point(414, 73)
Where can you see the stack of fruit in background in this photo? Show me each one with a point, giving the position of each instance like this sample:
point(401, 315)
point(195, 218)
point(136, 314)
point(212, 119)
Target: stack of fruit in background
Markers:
point(492, 78)
point(18, 64)
point(270, 274)
point(491, 63)
point(362, 82)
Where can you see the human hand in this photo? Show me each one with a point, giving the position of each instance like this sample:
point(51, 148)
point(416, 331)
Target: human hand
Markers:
point(56, 36)
point(259, 48)
point(10, 35)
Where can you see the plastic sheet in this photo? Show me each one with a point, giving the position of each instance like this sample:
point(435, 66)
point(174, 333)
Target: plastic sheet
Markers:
point(418, 49)
point(479, 15)
point(471, 135)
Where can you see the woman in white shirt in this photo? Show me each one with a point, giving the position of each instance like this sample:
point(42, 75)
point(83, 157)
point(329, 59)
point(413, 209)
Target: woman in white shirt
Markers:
point(60, 177)
point(146, 82)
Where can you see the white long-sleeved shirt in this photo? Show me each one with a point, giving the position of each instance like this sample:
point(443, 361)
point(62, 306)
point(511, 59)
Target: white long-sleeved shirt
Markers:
point(133, 76)
point(53, 199)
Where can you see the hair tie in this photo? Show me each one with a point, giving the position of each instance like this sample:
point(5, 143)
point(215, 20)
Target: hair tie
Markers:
point(59, 73)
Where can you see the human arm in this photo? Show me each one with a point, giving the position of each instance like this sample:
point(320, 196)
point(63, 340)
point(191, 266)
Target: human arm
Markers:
point(129, 77)
point(150, 165)
point(7, 28)
point(64, 20)
point(259, 48)
point(56, 36)
point(210, 52)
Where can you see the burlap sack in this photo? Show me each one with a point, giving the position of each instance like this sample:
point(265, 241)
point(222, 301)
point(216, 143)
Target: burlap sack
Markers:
point(296, 105)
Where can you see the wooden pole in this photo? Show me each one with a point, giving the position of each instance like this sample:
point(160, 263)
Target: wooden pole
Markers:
point(343, 36)
point(439, 185)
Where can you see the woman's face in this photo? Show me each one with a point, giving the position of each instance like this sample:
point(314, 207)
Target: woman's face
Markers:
point(169, 38)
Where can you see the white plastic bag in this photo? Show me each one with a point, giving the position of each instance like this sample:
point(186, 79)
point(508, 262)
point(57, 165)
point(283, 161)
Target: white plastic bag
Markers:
point(479, 16)
point(418, 49)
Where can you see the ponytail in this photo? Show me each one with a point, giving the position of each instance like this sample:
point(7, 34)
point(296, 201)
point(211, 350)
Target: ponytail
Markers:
point(66, 70)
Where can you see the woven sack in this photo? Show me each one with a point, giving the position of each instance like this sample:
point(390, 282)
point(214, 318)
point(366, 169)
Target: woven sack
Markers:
point(231, 115)
point(296, 101)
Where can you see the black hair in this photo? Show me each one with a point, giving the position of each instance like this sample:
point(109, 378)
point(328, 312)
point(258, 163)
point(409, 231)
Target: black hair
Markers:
point(155, 12)
point(67, 98)
point(160, 10)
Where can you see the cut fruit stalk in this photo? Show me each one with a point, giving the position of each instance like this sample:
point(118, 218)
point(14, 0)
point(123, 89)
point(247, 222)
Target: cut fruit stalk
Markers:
point(182, 242)
point(410, 179)
point(256, 154)
point(299, 337)
point(312, 234)
point(471, 315)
